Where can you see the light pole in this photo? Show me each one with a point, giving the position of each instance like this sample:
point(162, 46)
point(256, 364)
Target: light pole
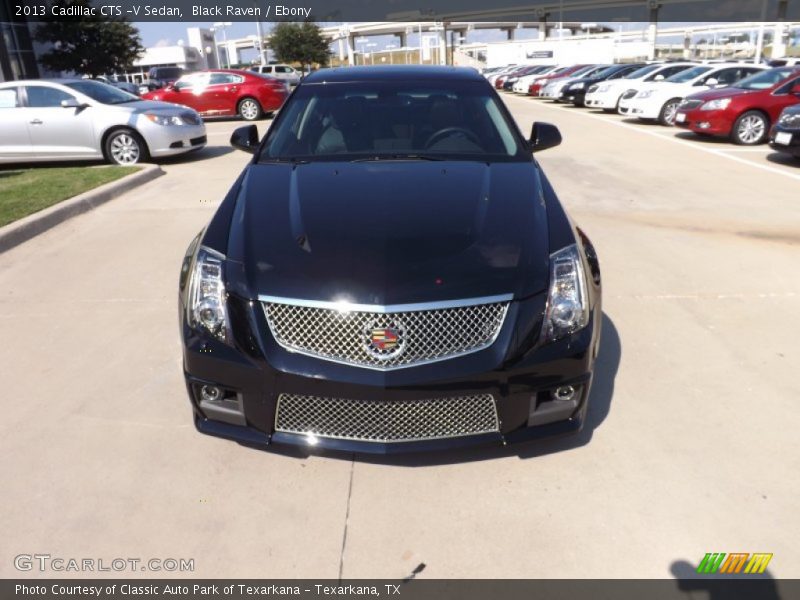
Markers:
point(371, 54)
point(223, 26)
point(362, 41)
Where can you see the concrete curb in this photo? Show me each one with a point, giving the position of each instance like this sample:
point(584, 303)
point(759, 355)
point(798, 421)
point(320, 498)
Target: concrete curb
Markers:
point(28, 227)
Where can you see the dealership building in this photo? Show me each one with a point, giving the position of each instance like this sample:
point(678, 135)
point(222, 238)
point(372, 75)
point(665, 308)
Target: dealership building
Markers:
point(17, 57)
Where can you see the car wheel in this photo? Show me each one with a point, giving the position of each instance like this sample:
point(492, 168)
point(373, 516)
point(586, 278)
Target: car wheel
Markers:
point(750, 128)
point(668, 112)
point(125, 147)
point(249, 109)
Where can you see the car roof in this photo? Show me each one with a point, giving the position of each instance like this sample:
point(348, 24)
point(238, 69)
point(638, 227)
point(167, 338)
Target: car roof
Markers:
point(58, 80)
point(393, 72)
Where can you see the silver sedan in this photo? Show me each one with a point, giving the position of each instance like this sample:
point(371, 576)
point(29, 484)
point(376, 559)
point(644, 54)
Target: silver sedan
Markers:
point(79, 119)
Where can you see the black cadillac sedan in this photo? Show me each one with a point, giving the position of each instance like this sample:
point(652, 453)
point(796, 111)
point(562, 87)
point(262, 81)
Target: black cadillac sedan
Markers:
point(391, 272)
point(785, 134)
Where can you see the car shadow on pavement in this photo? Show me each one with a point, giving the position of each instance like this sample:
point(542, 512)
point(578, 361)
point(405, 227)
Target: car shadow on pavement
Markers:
point(780, 158)
point(198, 155)
point(605, 372)
point(704, 139)
point(723, 587)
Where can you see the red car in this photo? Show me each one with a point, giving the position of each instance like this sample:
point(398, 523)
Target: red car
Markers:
point(225, 92)
point(745, 110)
point(536, 87)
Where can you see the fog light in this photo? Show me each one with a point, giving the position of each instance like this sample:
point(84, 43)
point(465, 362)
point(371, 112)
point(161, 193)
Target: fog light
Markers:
point(704, 125)
point(210, 393)
point(565, 393)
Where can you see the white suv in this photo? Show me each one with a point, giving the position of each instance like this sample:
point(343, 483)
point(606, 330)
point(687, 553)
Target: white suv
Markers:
point(282, 72)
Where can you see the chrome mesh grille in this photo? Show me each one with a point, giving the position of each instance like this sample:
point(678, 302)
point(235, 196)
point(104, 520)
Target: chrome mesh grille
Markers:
point(420, 336)
point(629, 94)
point(691, 104)
point(392, 421)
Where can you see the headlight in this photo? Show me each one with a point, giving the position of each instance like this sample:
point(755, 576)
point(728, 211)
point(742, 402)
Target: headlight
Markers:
point(577, 86)
point(718, 104)
point(165, 119)
point(603, 88)
point(207, 294)
point(644, 94)
point(790, 120)
point(567, 306)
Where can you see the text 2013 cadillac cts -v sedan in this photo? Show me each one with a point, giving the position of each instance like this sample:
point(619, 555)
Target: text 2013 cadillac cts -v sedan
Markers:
point(391, 272)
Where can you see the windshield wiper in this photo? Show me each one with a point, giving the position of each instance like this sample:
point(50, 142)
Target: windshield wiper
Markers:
point(379, 157)
point(275, 160)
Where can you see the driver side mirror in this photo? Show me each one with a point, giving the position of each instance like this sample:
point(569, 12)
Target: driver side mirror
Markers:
point(245, 138)
point(712, 81)
point(544, 136)
point(658, 77)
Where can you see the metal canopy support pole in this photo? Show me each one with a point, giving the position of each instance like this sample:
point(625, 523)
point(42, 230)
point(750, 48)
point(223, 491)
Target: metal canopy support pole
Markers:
point(652, 30)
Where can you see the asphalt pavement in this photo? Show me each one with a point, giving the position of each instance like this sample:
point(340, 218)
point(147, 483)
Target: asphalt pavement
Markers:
point(691, 444)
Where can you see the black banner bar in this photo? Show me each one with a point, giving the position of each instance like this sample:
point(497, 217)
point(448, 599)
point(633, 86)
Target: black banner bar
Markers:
point(409, 10)
point(714, 588)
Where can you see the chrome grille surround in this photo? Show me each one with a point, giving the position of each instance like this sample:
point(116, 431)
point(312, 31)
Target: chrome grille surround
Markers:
point(389, 421)
point(426, 333)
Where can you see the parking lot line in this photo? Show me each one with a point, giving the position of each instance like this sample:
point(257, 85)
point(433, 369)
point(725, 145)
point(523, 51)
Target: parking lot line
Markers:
point(670, 138)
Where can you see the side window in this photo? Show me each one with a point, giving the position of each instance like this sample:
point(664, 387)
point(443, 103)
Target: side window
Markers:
point(46, 97)
point(672, 71)
point(282, 69)
point(191, 81)
point(219, 79)
point(729, 76)
point(184, 82)
point(786, 88)
point(9, 98)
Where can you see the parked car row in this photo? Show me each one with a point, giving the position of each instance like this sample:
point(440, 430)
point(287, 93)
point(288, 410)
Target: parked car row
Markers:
point(744, 102)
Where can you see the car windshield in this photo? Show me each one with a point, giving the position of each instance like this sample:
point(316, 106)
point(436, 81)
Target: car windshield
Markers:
point(607, 71)
point(642, 72)
point(102, 92)
point(375, 120)
point(582, 71)
point(688, 74)
point(765, 79)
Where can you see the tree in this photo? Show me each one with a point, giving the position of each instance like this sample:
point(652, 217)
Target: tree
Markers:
point(88, 45)
point(299, 42)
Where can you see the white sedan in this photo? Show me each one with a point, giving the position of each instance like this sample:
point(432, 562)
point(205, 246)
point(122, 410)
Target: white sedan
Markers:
point(660, 101)
point(607, 94)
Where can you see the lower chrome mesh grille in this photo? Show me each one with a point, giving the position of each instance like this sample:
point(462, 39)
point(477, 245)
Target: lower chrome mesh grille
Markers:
point(392, 421)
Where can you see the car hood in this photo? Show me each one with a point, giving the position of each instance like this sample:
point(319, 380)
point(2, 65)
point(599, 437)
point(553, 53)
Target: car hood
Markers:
point(144, 105)
point(725, 92)
point(389, 232)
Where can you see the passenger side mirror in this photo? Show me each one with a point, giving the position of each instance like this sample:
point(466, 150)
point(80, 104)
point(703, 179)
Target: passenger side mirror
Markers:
point(544, 136)
point(712, 81)
point(658, 77)
point(245, 138)
point(72, 103)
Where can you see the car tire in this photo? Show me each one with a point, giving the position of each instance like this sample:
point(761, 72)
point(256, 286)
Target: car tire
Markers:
point(668, 112)
point(125, 147)
point(249, 109)
point(750, 128)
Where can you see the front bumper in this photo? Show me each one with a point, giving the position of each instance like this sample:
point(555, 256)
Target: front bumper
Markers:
point(170, 140)
point(789, 140)
point(601, 100)
point(711, 122)
point(641, 109)
point(258, 371)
